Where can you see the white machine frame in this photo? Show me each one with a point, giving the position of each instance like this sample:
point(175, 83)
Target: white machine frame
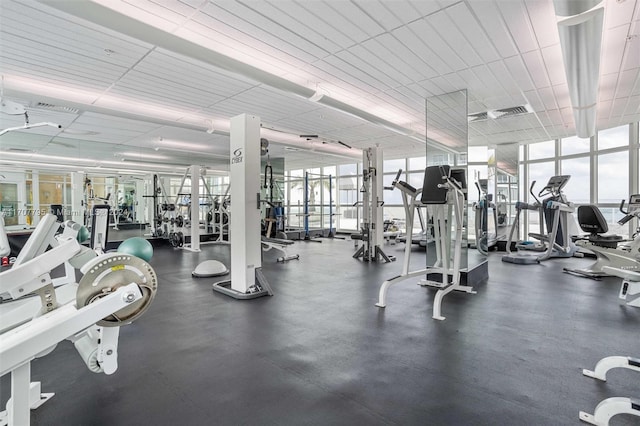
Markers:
point(444, 265)
point(611, 407)
point(34, 327)
point(372, 232)
point(625, 257)
point(630, 288)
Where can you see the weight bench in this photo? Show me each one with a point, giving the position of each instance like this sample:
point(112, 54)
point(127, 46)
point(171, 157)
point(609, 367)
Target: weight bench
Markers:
point(280, 245)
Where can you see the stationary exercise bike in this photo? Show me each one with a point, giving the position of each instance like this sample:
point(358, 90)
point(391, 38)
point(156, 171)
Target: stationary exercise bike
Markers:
point(554, 213)
point(608, 249)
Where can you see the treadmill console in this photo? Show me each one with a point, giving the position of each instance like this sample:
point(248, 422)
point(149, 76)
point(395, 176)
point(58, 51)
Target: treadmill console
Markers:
point(634, 201)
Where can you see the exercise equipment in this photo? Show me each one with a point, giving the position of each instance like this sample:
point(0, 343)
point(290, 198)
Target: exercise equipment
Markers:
point(115, 290)
point(138, 247)
point(554, 213)
point(279, 245)
point(247, 280)
point(210, 268)
point(176, 239)
point(83, 234)
point(608, 249)
point(372, 229)
point(442, 193)
point(485, 240)
point(164, 211)
point(611, 407)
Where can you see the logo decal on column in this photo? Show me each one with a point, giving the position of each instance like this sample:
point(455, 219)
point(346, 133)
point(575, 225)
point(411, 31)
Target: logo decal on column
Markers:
point(237, 156)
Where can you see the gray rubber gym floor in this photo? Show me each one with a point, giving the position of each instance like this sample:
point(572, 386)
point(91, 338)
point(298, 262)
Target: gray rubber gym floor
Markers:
point(320, 353)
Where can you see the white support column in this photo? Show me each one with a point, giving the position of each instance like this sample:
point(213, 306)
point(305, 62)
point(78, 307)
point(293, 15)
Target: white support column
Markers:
point(245, 193)
point(195, 208)
point(77, 197)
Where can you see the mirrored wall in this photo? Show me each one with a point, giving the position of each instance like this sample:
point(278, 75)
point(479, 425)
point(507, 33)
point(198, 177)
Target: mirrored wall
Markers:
point(447, 148)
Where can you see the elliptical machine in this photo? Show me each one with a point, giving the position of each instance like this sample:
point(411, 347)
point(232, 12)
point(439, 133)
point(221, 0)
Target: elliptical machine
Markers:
point(554, 212)
point(485, 240)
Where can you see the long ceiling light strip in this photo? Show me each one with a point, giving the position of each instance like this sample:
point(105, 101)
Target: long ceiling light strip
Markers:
point(581, 42)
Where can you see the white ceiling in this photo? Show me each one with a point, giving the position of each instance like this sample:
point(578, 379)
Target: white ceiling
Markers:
point(181, 67)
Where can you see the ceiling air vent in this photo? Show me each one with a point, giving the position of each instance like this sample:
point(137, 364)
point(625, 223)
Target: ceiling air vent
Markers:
point(499, 113)
point(517, 110)
point(478, 116)
point(51, 107)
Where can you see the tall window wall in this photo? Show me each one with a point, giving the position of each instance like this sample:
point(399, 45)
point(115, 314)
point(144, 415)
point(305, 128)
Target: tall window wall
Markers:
point(603, 169)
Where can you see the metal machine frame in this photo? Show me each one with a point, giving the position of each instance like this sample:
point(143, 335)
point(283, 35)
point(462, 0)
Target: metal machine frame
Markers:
point(115, 289)
point(557, 225)
point(447, 207)
point(625, 258)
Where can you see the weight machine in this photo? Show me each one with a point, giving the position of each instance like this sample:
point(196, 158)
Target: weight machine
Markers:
point(163, 210)
point(443, 194)
point(115, 290)
point(372, 229)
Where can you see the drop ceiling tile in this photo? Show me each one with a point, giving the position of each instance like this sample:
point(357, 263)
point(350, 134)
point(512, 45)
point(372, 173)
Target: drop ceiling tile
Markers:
point(618, 13)
point(543, 20)
point(248, 21)
point(401, 57)
point(454, 37)
point(561, 92)
point(439, 46)
point(554, 64)
point(356, 16)
point(411, 37)
point(632, 49)
point(519, 72)
point(375, 49)
point(607, 86)
point(468, 25)
point(378, 11)
point(628, 79)
point(613, 47)
point(339, 22)
point(536, 68)
point(302, 23)
point(517, 19)
point(491, 21)
point(619, 106)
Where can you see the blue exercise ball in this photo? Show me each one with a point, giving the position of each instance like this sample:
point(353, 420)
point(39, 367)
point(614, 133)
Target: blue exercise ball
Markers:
point(138, 247)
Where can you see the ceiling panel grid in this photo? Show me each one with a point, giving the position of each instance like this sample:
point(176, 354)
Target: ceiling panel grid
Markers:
point(243, 18)
point(211, 33)
point(490, 19)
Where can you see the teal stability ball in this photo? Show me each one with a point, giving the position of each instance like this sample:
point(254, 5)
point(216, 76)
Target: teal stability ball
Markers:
point(138, 247)
point(83, 234)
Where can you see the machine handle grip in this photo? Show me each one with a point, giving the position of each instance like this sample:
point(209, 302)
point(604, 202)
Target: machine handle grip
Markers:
point(622, 208)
